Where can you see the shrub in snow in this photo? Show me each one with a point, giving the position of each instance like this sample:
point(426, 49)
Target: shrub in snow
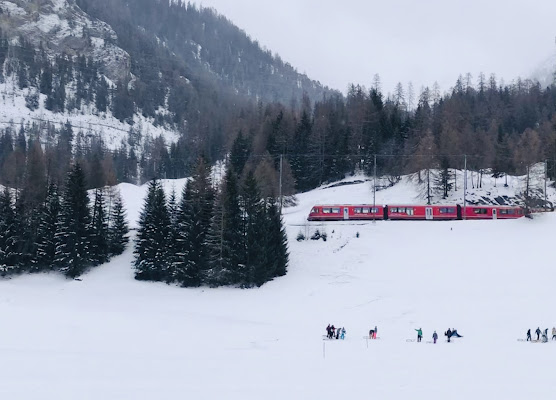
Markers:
point(316, 235)
point(300, 237)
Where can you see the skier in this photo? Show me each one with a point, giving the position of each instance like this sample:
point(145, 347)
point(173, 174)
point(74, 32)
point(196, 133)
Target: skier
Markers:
point(338, 333)
point(553, 333)
point(434, 337)
point(371, 334)
point(419, 334)
point(546, 332)
point(376, 331)
point(538, 332)
point(544, 338)
point(332, 332)
point(328, 331)
point(343, 334)
point(448, 334)
point(528, 335)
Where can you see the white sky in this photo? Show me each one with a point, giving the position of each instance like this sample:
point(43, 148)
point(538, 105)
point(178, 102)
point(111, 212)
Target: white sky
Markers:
point(423, 41)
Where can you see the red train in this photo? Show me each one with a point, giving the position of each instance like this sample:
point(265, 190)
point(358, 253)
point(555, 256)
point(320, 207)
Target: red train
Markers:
point(344, 212)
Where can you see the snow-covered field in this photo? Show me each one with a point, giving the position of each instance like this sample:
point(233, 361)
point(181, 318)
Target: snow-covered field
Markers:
point(111, 337)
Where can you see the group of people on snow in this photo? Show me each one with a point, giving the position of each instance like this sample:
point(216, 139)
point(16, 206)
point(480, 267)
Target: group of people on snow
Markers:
point(335, 333)
point(544, 333)
point(449, 334)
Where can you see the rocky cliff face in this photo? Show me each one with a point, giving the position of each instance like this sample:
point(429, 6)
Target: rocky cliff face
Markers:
point(60, 26)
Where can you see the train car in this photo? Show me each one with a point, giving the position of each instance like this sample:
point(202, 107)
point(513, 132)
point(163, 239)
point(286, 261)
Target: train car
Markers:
point(492, 212)
point(345, 212)
point(432, 212)
point(447, 212)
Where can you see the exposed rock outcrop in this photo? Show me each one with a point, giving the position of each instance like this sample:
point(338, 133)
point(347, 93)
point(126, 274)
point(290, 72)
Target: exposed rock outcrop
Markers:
point(60, 26)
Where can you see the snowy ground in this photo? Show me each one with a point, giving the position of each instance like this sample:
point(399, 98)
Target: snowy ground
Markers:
point(110, 337)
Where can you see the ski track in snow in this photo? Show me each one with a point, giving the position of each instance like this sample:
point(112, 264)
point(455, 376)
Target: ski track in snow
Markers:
point(111, 337)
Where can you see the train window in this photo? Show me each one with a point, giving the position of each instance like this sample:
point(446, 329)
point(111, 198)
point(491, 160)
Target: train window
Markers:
point(357, 210)
point(366, 210)
point(447, 210)
point(480, 210)
point(509, 212)
point(326, 210)
point(393, 209)
point(314, 210)
point(335, 210)
point(409, 211)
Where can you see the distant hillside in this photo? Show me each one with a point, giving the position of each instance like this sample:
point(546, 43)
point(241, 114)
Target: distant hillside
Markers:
point(207, 45)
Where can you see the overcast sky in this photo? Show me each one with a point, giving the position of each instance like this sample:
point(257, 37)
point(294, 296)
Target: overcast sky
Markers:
point(423, 41)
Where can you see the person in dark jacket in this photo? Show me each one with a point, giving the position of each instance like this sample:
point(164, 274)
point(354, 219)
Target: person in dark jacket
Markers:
point(448, 334)
point(529, 335)
point(538, 332)
point(434, 337)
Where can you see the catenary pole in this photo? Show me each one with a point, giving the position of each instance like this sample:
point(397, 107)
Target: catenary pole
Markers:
point(545, 179)
point(464, 185)
point(374, 190)
point(281, 202)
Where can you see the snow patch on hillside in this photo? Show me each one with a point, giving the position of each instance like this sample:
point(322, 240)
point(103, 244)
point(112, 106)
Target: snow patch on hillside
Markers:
point(87, 120)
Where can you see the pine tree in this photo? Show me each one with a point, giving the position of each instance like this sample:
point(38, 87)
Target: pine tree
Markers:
point(118, 230)
point(239, 153)
point(72, 255)
point(46, 233)
point(226, 237)
point(153, 235)
point(173, 213)
point(99, 246)
point(101, 97)
point(193, 224)
point(9, 239)
point(276, 243)
point(254, 224)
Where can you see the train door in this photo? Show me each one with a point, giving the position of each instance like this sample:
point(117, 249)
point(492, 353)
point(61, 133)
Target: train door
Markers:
point(428, 213)
point(346, 213)
point(494, 213)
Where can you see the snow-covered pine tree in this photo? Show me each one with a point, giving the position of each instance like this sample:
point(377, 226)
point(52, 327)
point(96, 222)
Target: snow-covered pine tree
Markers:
point(225, 239)
point(46, 232)
point(118, 229)
point(99, 247)
point(153, 235)
point(73, 256)
point(8, 234)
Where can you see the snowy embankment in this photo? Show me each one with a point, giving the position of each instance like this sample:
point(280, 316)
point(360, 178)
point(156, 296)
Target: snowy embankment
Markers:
point(110, 337)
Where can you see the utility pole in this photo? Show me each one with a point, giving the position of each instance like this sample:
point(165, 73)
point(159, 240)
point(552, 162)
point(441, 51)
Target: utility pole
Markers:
point(464, 186)
point(374, 190)
point(545, 179)
point(281, 202)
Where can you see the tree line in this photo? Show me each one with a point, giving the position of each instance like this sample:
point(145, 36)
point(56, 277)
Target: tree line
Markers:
point(216, 237)
point(60, 231)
